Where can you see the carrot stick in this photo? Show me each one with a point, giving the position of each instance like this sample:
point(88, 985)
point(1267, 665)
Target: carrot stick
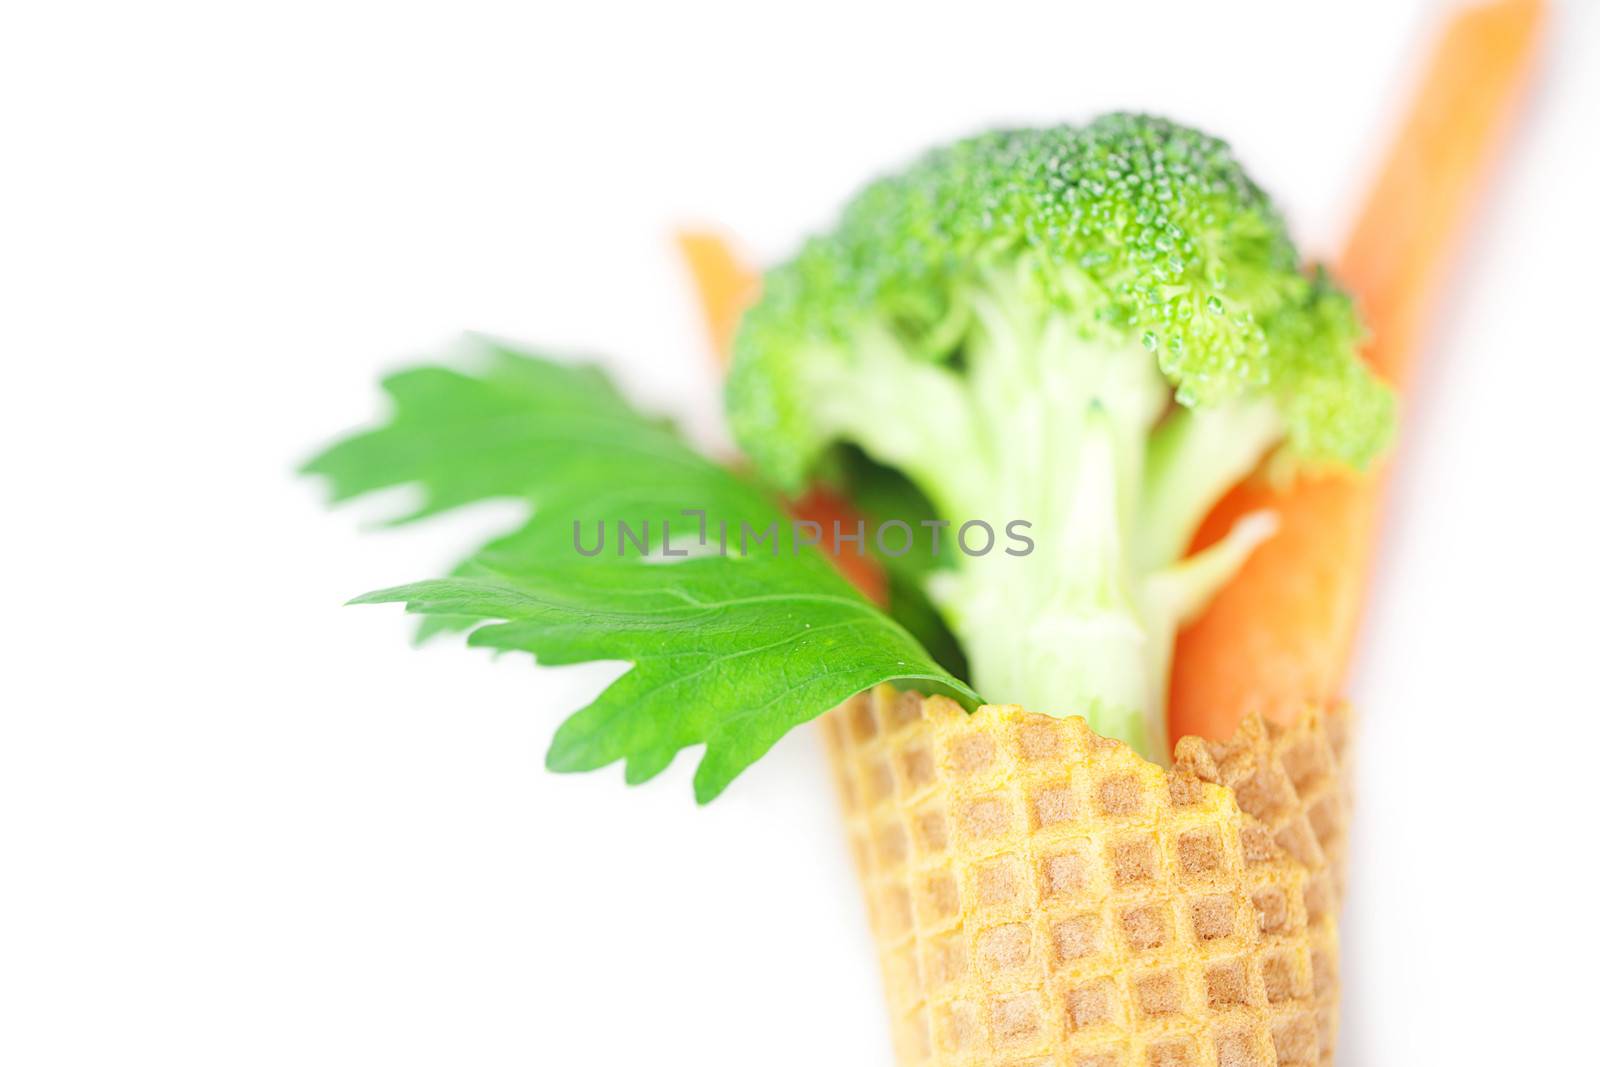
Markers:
point(1279, 636)
point(824, 508)
point(725, 285)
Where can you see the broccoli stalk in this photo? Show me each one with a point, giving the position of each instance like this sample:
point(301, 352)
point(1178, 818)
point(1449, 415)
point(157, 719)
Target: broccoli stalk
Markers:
point(1098, 331)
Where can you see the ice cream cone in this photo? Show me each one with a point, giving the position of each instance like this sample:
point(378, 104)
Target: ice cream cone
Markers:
point(1042, 895)
point(1292, 786)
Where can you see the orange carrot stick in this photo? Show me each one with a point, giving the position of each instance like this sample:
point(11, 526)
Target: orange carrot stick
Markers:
point(725, 285)
point(824, 508)
point(1279, 635)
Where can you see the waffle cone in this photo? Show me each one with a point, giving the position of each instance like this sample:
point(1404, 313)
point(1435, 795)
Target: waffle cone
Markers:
point(1041, 895)
point(1292, 786)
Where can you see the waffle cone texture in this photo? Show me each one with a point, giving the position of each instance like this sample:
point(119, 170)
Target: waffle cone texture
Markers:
point(1041, 895)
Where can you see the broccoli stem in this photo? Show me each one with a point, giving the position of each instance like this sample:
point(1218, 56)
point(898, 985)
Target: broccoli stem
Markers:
point(1050, 422)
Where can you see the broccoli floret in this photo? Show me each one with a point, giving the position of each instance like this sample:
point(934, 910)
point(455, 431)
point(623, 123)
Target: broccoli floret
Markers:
point(1097, 330)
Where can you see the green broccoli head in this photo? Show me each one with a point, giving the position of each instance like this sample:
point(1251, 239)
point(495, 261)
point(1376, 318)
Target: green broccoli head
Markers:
point(1097, 330)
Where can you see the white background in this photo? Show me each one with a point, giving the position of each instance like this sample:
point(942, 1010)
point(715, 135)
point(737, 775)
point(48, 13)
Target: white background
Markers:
point(242, 824)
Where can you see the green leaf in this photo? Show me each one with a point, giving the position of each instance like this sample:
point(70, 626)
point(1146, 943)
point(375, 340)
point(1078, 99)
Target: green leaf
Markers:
point(731, 651)
point(880, 493)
